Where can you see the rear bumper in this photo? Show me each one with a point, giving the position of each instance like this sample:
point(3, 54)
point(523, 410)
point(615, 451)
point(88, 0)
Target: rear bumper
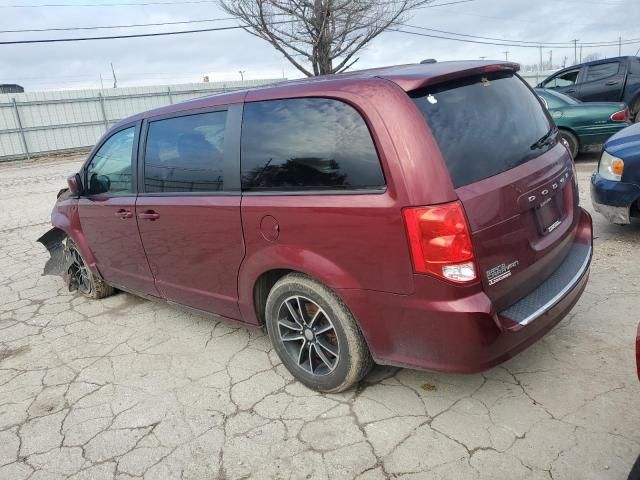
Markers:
point(594, 138)
point(612, 199)
point(457, 329)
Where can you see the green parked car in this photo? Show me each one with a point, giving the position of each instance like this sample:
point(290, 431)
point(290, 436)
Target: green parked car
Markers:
point(585, 126)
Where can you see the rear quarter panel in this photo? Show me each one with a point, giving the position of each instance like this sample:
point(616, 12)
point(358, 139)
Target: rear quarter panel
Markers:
point(590, 121)
point(357, 240)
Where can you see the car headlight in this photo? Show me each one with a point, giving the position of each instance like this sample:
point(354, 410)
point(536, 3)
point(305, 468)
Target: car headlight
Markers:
point(610, 167)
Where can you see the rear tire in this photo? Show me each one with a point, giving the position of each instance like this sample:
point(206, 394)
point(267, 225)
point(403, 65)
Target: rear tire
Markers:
point(572, 140)
point(88, 284)
point(315, 334)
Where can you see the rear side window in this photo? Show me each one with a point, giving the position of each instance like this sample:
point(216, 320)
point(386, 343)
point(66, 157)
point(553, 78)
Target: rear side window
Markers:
point(484, 125)
point(184, 154)
point(564, 80)
point(307, 144)
point(604, 70)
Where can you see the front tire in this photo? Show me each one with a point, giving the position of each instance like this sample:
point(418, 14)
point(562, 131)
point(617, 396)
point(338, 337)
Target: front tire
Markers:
point(572, 140)
point(81, 276)
point(315, 334)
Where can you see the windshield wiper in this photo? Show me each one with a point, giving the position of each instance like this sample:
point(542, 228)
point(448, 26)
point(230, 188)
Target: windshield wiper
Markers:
point(544, 140)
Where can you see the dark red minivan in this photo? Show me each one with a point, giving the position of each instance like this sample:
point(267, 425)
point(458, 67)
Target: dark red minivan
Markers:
point(418, 215)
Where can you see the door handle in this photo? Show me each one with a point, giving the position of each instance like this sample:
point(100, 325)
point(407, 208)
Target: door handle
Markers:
point(571, 90)
point(124, 214)
point(149, 215)
point(612, 82)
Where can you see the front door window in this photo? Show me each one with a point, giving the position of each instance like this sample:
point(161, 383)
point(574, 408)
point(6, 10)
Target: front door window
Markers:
point(110, 169)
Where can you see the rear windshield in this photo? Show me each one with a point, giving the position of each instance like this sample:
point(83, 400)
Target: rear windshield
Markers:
point(485, 124)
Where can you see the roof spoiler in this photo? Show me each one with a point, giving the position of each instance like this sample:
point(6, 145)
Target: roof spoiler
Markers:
point(417, 76)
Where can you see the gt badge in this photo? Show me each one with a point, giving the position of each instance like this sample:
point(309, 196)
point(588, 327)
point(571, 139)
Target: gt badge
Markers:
point(500, 272)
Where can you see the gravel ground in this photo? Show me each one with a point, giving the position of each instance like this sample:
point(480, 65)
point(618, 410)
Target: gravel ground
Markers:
point(124, 388)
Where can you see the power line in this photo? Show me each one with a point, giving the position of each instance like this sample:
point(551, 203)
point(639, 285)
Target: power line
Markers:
point(100, 27)
point(104, 27)
point(442, 4)
point(111, 4)
point(113, 37)
point(531, 43)
point(184, 2)
point(482, 40)
point(503, 44)
point(506, 43)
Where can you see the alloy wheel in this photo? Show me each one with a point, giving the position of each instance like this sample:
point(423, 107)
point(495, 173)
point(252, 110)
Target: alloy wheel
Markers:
point(308, 335)
point(79, 272)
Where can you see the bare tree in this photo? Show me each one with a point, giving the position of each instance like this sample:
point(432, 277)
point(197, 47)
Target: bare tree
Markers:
point(326, 34)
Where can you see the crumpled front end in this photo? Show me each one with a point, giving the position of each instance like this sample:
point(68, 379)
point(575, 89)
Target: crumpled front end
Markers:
point(61, 260)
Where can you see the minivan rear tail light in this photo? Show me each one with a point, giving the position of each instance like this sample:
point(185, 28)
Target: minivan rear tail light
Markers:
point(440, 242)
point(621, 116)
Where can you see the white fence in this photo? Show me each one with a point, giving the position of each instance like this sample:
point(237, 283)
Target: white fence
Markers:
point(36, 123)
point(534, 78)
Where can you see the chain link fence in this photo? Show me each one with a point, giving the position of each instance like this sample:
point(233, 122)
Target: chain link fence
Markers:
point(44, 123)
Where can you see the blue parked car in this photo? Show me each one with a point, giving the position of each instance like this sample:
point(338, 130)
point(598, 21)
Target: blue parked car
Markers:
point(615, 186)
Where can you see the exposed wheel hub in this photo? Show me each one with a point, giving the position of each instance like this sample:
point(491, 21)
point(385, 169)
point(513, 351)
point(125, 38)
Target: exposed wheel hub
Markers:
point(309, 335)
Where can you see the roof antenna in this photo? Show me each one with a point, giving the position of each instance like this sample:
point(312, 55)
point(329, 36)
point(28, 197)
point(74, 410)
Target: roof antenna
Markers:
point(428, 60)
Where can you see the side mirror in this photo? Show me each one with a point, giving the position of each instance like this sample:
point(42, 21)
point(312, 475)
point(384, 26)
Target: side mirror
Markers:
point(99, 184)
point(75, 184)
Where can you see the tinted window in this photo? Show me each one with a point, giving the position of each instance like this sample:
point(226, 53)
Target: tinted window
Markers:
point(484, 125)
point(596, 72)
point(110, 169)
point(565, 80)
point(634, 67)
point(307, 144)
point(184, 154)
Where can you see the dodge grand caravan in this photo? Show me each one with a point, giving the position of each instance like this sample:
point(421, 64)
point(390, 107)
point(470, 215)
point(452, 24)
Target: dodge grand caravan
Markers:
point(419, 215)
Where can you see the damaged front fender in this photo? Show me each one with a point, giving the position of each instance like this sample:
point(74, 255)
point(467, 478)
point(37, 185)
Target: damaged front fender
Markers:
point(60, 261)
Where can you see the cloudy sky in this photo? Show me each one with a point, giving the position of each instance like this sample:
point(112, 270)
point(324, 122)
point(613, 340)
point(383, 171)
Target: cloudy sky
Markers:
point(186, 58)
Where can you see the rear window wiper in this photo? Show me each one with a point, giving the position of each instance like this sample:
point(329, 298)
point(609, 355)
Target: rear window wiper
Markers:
point(544, 140)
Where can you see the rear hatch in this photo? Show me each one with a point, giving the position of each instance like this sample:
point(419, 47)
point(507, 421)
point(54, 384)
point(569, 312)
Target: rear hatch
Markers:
point(513, 177)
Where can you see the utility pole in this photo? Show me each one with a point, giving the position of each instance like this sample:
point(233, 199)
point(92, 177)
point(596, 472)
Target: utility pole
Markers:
point(506, 55)
point(541, 66)
point(580, 53)
point(575, 51)
point(115, 79)
point(241, 72)
point(550, 59)
point(101, 83)
point(619, 46)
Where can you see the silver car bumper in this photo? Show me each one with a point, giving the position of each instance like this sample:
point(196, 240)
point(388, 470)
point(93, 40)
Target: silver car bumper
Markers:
point(618, 215)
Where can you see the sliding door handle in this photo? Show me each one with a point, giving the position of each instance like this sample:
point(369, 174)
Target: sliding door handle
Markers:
point(124, 214)
point(149, 215)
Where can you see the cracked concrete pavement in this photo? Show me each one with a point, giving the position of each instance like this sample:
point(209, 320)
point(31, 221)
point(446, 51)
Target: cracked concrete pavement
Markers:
point(124, 388)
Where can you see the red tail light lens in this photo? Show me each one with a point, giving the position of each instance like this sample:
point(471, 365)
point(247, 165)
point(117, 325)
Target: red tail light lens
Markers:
point(440, 242)
point(621, 116)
